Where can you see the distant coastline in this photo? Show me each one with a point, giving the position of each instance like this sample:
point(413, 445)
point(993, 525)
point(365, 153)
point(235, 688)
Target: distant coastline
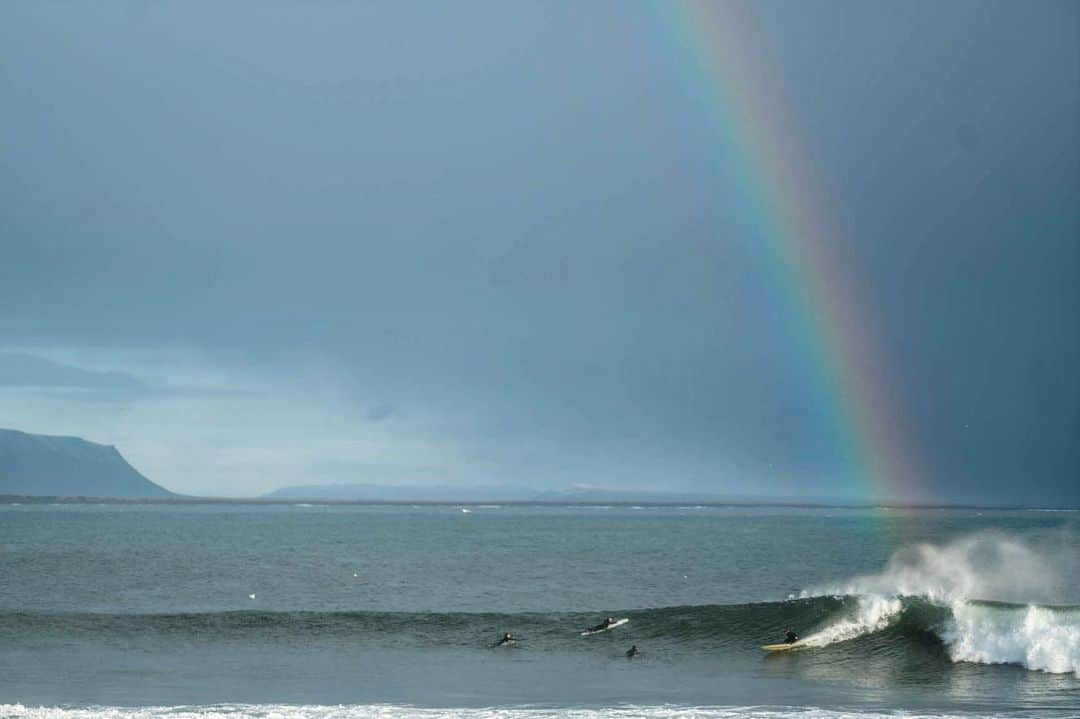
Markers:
point(9, 499)
point(46, 469)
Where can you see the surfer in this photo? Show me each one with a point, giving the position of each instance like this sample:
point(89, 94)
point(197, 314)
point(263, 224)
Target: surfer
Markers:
point(507, 638)
point(790, 637)
point(632, 652)
point(606, 624)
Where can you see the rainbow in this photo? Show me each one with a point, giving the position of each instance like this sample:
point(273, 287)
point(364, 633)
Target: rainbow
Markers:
point(723, 70)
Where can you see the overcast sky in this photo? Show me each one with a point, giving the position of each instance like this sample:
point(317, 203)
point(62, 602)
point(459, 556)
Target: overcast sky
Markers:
point(257, 244)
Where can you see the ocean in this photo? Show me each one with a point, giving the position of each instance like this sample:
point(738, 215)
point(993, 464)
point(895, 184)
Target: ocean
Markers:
point(391, 611)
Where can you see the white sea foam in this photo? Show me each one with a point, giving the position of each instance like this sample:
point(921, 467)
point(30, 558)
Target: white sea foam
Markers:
point(872, 615)
point(1042, 638)
point(388, 711)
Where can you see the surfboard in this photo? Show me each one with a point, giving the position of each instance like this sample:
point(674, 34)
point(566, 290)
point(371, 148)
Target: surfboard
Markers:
point(785, 647)
point(616, 623)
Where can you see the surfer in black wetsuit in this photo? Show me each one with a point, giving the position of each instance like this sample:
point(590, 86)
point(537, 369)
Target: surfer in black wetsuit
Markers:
point(507, 638)
point(791, 637)
point(602, 625)
point(632, 652)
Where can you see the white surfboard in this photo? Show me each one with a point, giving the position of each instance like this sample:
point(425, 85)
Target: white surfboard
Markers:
point(784, 647)
point(608, 628)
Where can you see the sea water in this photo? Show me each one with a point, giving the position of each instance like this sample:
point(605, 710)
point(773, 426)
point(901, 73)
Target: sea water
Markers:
point(392, 611)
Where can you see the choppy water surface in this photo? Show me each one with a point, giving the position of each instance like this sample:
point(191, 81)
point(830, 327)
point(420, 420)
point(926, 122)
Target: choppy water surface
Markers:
point(359, 611)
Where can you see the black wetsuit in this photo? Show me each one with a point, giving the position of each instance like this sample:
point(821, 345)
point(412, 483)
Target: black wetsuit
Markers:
point(791, 638)
point(632, 652)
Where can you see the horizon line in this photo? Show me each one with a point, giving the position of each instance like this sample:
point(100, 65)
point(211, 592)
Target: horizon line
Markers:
point(16, 499)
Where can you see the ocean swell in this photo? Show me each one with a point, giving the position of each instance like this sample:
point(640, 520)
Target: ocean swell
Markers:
point(1037, 637)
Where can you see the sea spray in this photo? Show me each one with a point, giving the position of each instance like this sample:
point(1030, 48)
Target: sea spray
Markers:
point(995, 566)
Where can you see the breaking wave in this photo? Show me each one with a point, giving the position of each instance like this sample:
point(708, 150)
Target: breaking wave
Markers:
point(998, 599)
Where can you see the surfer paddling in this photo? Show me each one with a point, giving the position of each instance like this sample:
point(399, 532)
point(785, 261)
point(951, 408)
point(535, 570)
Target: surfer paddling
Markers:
point(606, 624)
point(507, 639)
point(632, 652)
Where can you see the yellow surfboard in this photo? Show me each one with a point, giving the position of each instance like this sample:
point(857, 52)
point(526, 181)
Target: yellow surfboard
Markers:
point(785, 647)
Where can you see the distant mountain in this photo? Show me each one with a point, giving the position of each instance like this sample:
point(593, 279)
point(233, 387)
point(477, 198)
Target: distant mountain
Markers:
point(43, 465)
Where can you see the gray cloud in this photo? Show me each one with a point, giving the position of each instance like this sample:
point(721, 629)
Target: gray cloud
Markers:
point(19, 369)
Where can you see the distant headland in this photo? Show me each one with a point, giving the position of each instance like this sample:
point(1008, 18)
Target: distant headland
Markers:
point(45, 465)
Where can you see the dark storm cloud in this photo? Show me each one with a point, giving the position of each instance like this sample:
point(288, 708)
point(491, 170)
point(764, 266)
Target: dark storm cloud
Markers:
point(504, 216)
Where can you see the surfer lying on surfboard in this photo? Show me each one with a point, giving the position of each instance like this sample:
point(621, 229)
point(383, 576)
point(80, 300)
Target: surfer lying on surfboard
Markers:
point(606, 624)
point(507, 638)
